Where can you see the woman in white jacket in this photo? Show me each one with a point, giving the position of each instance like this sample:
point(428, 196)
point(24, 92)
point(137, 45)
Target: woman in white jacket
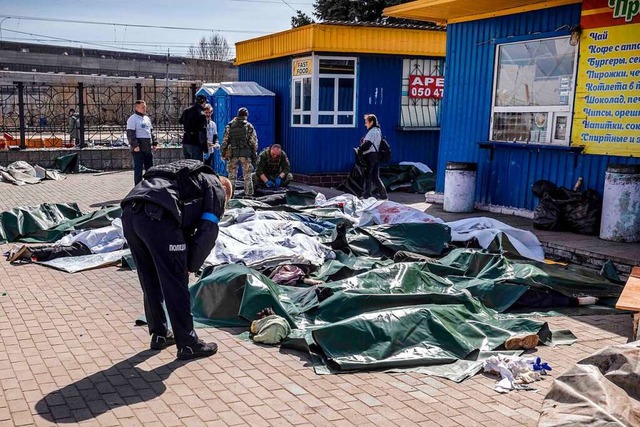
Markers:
point(368, 150)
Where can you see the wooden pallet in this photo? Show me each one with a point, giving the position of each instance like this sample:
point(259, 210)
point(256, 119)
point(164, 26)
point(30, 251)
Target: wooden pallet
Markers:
point(630, 299)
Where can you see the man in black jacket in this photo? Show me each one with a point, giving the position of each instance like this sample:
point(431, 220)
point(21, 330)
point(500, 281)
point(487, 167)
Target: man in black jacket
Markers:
point(170, 220)
point(194, 140)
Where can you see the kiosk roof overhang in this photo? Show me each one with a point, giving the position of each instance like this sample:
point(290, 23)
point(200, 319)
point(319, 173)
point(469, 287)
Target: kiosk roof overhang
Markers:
point(454, 11)
point(344, 38)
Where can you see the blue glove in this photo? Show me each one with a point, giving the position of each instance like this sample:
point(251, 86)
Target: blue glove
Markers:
point(278, 181)
point(207, 155)
point(541, 366)
point(270, 184)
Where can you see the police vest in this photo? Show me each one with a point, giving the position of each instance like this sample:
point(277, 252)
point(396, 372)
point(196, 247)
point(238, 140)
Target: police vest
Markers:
point(239, 139)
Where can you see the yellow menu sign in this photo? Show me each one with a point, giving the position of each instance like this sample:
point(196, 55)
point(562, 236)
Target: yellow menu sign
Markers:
point(607, 109)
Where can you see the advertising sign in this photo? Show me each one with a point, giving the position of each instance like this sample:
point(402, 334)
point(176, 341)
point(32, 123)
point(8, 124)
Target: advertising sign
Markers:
point(423, 87)
point(607, 110)
point(302, 66)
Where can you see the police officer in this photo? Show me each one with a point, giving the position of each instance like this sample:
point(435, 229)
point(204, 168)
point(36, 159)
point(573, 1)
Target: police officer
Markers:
point(170, 221)
point(142, 141)
point(194, 140)
point(240, 144)
point(273, 168)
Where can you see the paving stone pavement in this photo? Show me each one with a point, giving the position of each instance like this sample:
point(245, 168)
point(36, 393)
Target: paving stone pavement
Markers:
point(70, 353)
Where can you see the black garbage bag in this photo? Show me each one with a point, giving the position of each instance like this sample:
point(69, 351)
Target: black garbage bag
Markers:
point(561, 209)
point(547, 215)
point(354, 184)
point(542, 187)
point(582, 212)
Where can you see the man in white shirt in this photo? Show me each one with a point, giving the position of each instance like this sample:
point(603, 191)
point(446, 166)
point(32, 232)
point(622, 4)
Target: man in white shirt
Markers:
point(141, 139)
point(212, 136)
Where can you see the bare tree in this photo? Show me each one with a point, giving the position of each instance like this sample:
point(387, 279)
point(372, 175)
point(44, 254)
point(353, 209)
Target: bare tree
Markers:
point(205, 57)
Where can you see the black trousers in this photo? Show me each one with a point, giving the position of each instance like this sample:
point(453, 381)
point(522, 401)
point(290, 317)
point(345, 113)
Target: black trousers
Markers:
point(46, 253)
point(159, 249)
point(372, 181)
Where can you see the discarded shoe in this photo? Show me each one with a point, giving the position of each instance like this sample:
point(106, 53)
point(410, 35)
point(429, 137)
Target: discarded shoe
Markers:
point(159, 342)
point(199, 349)
point(18, 252)
point(526, 342)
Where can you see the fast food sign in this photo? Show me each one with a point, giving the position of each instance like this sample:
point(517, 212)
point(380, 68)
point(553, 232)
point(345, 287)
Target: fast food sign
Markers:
point(425, 87)
point(302, 66)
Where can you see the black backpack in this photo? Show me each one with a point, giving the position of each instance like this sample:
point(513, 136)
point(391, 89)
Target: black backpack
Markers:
point(384, 151)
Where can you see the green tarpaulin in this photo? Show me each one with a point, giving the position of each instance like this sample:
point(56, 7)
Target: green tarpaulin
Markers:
point(49, 222)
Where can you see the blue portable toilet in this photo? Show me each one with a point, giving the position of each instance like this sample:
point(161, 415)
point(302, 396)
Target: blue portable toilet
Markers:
point(260, 102)
point(208, 89)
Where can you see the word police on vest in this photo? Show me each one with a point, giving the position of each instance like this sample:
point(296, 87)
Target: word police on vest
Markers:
point(178, 248)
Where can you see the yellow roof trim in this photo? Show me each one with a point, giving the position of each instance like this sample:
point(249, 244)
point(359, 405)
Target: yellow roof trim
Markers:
point(351, 39)
point(455, 11)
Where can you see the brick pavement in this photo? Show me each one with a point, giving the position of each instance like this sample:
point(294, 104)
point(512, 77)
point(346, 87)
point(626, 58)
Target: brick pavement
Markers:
point(69, 353)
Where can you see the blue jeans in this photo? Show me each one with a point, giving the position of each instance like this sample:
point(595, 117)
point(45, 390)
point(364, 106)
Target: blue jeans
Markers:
point(192, 152)
point(141, 161)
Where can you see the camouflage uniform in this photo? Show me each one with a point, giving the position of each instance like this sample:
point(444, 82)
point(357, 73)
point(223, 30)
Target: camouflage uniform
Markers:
point(272, 168)
point(240, 144)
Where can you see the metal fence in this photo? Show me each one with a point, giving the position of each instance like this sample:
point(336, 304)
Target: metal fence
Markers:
point(37, 115)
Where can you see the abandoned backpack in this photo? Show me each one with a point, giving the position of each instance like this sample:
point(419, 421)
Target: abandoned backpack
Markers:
point(384, 151)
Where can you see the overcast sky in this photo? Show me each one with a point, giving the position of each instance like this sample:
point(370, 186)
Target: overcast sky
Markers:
point(235, 19)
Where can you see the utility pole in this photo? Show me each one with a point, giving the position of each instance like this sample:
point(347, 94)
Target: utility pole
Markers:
point(166, 76)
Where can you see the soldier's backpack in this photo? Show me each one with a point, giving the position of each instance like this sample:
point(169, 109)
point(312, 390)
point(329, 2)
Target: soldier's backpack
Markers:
point(384, 152)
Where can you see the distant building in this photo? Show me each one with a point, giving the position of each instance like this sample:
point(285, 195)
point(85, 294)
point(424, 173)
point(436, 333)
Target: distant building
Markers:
point(36, 59)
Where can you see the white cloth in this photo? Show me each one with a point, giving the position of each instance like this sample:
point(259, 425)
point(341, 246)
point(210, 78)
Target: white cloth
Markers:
point(375, 136)
point(515, 372)
point(387, 212)
point(141, 124)
point(99, 240)
point(486, 229)
point(252, 242)
point(420, 166)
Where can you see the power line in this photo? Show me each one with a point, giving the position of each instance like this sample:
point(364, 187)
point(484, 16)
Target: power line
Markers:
point(160, 51)
point(272, 1)
point(119, 24)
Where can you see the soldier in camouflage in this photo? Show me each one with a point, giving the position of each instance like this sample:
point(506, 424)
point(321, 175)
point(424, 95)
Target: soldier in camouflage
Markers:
point(240, 144)
point(273, 168)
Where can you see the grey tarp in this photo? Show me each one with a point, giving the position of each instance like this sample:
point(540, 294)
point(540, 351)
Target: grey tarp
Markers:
point(600, 390)
point(87, 262)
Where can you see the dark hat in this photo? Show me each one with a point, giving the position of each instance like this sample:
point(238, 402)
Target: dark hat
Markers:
point(243, 112)
point(200, 99)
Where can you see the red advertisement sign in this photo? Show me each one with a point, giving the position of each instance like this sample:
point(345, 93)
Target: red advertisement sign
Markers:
point(426, 86)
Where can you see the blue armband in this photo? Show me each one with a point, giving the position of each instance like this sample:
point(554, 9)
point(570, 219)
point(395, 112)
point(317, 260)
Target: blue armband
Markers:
point(210, 217)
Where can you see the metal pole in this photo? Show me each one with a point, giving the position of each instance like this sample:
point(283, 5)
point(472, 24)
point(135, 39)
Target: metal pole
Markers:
point(23, 132)
point(193, 93)
point(166, 75)
point(138, 91)
point(81, 112)
point(4, 19)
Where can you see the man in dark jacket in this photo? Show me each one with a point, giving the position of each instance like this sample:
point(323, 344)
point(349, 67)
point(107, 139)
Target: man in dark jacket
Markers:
point(170, 220)
point(272, 170)
point(240, 144)
point(194, 140)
